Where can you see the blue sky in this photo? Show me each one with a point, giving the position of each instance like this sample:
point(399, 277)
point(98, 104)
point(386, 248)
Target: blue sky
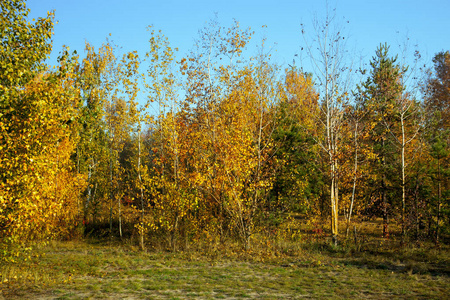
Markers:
point(425, 22)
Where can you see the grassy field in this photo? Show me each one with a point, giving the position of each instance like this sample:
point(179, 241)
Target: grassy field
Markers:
point(92, 269)
point(82, 270)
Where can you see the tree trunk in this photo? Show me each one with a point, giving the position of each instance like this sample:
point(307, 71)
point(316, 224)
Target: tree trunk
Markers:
point(355, 177)
point(403, 180)
point(384, 197)
point(416, 204)
point(141, 227)
point(439, 202)
point(120, 215)
point(111, 192)
point(334, 203)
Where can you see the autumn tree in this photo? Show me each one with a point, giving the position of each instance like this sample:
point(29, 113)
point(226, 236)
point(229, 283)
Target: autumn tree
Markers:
point(229, 108)
point(134, 171)
point(438, 90)
point(108, 86)
point(298, 179)
point(172, 198)
point(92, 148)
point(355, 131)
point(120, 116)
point(201, 115)
point(332, 78)
point(39, 109)
point(437, 106)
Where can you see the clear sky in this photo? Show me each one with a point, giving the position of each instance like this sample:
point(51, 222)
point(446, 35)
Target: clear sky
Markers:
point(425, 22)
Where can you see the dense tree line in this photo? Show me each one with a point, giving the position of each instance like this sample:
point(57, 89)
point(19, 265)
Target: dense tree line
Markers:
point(235, 146)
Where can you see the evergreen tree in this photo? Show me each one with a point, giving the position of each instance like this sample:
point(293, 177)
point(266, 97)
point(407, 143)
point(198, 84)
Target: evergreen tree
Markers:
point(381, 91)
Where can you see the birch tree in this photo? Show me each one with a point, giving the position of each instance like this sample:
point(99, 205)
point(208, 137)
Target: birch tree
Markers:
point(328, 57)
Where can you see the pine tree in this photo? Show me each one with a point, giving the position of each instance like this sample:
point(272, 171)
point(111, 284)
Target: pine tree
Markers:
point(381, 91)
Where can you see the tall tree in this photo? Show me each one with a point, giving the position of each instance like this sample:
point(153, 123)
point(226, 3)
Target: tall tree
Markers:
point(438, 93)
point(382, 91)
point(92, 148)
point(298, 180)
point(172, 200)
point(332, 77)
point(229, 108)
point(38, 110)
point(437, 104)
point(355, 130)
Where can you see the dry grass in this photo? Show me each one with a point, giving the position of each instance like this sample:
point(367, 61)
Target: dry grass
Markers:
point(304, 267)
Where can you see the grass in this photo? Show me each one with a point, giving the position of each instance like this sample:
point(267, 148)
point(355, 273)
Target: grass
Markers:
point(83, 270)
point(370, 269)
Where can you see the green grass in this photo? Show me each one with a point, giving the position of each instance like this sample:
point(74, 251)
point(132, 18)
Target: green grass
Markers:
point(83, 270)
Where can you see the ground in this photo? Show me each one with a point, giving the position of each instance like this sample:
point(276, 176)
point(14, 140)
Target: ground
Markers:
point(117, 270)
